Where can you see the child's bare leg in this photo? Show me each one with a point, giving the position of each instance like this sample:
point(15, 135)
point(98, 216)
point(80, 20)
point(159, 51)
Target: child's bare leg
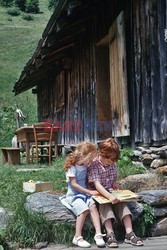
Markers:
point(111, 240)
point(94, 215)
point(79, 223)
point(127, 223)
point(108, 226)
point(128, 227)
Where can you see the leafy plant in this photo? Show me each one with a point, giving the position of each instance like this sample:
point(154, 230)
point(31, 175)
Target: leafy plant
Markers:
point(6, 3)
point(27, 17)
point(32, 6)
point(21, 4)
point(14, 11)
point(126, 166)
point(7, 124)
point(142, 225)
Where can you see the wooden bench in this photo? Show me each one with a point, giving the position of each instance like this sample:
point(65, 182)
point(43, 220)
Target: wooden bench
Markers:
point(11, 155)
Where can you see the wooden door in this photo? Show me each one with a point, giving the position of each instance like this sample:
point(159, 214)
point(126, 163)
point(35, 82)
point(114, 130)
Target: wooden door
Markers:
point(118, 78)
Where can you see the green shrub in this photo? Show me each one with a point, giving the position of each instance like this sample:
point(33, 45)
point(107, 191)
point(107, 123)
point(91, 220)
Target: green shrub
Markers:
point(32, 6)
point(27, 17)
point(126, 166)
point(6, 3)
point(21, 4)
point(13, 11)
point(142, 225)
point(7, 125)
point(53, 4)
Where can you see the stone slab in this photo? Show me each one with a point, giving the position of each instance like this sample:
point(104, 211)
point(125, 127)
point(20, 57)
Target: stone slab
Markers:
point(151, 243)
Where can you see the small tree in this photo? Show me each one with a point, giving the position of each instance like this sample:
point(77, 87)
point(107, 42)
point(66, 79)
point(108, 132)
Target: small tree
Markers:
point(21, 4)
point(6, 3)
point(53, 4)
point(32, 6)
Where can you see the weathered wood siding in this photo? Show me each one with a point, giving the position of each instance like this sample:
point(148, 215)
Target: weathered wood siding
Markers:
point(149, 69)
point(145, 21)
point(80, 91)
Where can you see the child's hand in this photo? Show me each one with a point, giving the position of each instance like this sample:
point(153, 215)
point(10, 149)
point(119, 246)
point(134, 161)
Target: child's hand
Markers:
point(94, 192)
point(113, 199)
point(115, 186)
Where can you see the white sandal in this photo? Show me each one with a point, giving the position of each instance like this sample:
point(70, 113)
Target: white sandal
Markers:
point(79, 241)
point(99, 242)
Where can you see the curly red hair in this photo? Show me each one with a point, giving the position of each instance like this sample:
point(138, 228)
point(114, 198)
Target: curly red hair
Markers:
point(83, 153)
point(109, 149)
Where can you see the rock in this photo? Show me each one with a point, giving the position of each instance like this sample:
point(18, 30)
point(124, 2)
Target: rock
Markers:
point(147, 159)
point(155, 156)
point(162, 170)
point(53, 210)
point(30, 169)
point(158, 163)
point(3, 217)
point(136, 209)
point(154, 197)
point(137, 153)
point(41, 245)
point(50, 206)
point(160, 211)
point(144, 150)
point(159, 227)
point(140, 182)
point(161, 151)
point(158, 149)
point(139, 164)
point(162, 154)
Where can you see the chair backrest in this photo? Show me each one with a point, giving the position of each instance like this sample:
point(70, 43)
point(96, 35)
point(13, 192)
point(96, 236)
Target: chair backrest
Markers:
point(43, 133)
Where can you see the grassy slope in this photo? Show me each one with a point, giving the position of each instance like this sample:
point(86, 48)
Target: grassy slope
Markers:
point(18, 40)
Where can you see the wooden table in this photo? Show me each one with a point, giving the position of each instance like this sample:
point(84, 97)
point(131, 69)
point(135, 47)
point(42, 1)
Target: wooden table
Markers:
point(26, 134)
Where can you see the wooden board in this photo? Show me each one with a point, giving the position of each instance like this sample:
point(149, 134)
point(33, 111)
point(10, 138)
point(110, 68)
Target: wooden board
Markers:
point(118, 78)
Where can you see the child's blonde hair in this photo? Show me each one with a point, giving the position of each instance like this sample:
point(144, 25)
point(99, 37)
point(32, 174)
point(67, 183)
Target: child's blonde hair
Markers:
point(83, 152)
point(109, 149)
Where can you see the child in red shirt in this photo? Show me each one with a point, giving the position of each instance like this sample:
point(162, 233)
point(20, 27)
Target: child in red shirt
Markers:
point(102, 177)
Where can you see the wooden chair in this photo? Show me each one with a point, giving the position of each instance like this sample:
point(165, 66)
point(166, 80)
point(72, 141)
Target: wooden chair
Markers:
point(42, 134)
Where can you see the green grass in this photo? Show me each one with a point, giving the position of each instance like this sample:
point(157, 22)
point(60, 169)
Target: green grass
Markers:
point(24, 228)
point(19, 39)
point(11, 182)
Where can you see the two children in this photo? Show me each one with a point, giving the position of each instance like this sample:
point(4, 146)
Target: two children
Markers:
point(100, 169)
point(78, 196)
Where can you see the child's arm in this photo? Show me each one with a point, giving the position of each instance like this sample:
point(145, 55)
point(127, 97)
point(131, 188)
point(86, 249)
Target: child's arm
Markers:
point(80, 188)
point(105, 193)
point(115, 185)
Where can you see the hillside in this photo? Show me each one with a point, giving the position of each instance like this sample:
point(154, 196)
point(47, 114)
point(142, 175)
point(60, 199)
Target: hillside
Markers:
point(18, 40)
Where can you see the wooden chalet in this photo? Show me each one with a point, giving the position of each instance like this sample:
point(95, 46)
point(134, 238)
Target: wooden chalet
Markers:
point(100, 70)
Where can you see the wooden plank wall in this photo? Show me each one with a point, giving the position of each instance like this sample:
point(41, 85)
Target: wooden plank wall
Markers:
point(147, 72)
point(150, 70)
point(80, 91)
point(80, 106)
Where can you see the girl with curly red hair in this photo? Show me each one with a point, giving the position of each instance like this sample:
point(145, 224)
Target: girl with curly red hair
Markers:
point(78, 198)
